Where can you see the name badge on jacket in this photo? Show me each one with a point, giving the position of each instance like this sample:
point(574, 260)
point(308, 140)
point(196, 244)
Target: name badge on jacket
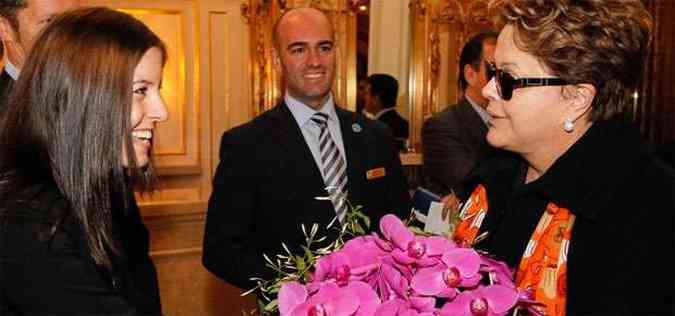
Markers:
point(376, 173)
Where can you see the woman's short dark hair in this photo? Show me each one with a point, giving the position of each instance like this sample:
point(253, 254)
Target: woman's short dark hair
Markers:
point(68, 118)
point(599, 42)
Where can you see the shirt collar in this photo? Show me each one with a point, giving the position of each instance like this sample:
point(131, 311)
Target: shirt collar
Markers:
point(11, 70)
point(379, 114)
point(303, 113)
point(484, 116)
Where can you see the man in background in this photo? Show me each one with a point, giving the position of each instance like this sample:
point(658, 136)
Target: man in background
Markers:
point(453, 140)
point(361, 93)
point(21, 21)
point(381, 103)
point(274, 170)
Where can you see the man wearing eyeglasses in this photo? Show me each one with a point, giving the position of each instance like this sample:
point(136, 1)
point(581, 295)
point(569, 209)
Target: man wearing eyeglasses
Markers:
point(454, 139)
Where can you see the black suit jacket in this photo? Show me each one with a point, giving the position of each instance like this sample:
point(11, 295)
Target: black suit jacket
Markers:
point(398, 126)
point(266, 183)
point(56, 276)
point(453, 142)
point(6, 84)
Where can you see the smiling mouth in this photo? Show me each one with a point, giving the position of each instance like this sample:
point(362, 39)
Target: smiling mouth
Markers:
point(143, 135)
point(314, 76)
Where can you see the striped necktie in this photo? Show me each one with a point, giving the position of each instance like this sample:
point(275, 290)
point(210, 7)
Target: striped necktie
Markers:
point(334, 169)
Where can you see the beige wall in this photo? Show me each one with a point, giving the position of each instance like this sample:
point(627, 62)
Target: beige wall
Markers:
point(206, 91)
point(389, 45)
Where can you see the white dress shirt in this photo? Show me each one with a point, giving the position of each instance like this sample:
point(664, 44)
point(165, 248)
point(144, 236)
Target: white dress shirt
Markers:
point(303, 115)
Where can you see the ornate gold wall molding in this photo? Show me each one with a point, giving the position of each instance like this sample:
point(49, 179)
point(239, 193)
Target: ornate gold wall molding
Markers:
point(436, 23)
point(260, 15)
point(178, 141)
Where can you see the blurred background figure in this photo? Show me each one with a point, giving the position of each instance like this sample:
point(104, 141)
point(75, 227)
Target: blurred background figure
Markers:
point(20, 23)
point(361, 93)
point(76, 141)
point(380, 102)
point(453, 140)
point(575, 202)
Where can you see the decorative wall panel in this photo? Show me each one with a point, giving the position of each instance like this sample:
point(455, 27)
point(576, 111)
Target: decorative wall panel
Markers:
point(177, 141)
point(439, 30)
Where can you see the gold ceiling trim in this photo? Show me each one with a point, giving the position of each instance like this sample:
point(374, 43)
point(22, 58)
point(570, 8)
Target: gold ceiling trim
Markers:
point(427, 18)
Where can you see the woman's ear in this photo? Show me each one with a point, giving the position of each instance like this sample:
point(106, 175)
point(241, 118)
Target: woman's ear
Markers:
point(581, 97)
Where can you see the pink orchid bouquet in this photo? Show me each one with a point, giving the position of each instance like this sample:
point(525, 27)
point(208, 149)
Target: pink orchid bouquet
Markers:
point(400, 272)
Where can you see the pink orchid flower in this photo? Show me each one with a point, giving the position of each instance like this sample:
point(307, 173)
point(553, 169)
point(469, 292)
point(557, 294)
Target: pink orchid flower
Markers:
point(500, 272)
point(410, 249)
point(493, 300)
point(368, 300)
point(363, 250)
point(415, 306)
point(460, 267)
point(291, 295)
point(390, 283)
point(355, 299)
point(359, 259)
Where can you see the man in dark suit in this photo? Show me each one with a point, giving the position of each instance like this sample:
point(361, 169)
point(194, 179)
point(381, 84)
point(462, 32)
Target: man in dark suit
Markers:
point(380, 101)
point(20, 23)
point(453, 140)
point(274, 168)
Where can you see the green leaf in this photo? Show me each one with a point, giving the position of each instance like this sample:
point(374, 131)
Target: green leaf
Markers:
point(268, 259)
point(272, 306)
point(261, 305)
point(250, 291)
point(300, 262)
point(315, 229)
point(358, 229)
point(307, 251)
point(417, 230)
point(286, 249)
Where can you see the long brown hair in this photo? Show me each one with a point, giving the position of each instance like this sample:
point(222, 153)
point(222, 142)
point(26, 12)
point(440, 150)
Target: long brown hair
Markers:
point(69, 116)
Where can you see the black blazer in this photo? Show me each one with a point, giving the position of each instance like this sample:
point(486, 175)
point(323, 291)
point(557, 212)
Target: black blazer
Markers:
point(453, 143)
point(56, 276)
point(398, 126)
point(266, 183)
point(6, 84)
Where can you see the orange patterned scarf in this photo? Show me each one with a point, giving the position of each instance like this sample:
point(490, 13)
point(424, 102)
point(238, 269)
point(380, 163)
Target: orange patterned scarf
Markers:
point(543, 267)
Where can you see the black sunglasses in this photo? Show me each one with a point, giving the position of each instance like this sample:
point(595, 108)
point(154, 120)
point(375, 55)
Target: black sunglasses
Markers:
point(506, 83)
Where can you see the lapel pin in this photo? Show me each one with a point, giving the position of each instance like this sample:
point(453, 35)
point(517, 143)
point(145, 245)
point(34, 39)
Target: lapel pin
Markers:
point(356, 128)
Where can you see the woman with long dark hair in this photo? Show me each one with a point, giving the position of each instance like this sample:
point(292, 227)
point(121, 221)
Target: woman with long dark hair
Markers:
point(74, 144)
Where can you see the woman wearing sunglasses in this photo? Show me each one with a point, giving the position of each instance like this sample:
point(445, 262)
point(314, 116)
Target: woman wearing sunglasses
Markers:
point(573, 201)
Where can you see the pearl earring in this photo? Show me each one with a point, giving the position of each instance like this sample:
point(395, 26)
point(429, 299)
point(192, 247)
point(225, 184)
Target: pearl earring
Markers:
point(568, 126)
